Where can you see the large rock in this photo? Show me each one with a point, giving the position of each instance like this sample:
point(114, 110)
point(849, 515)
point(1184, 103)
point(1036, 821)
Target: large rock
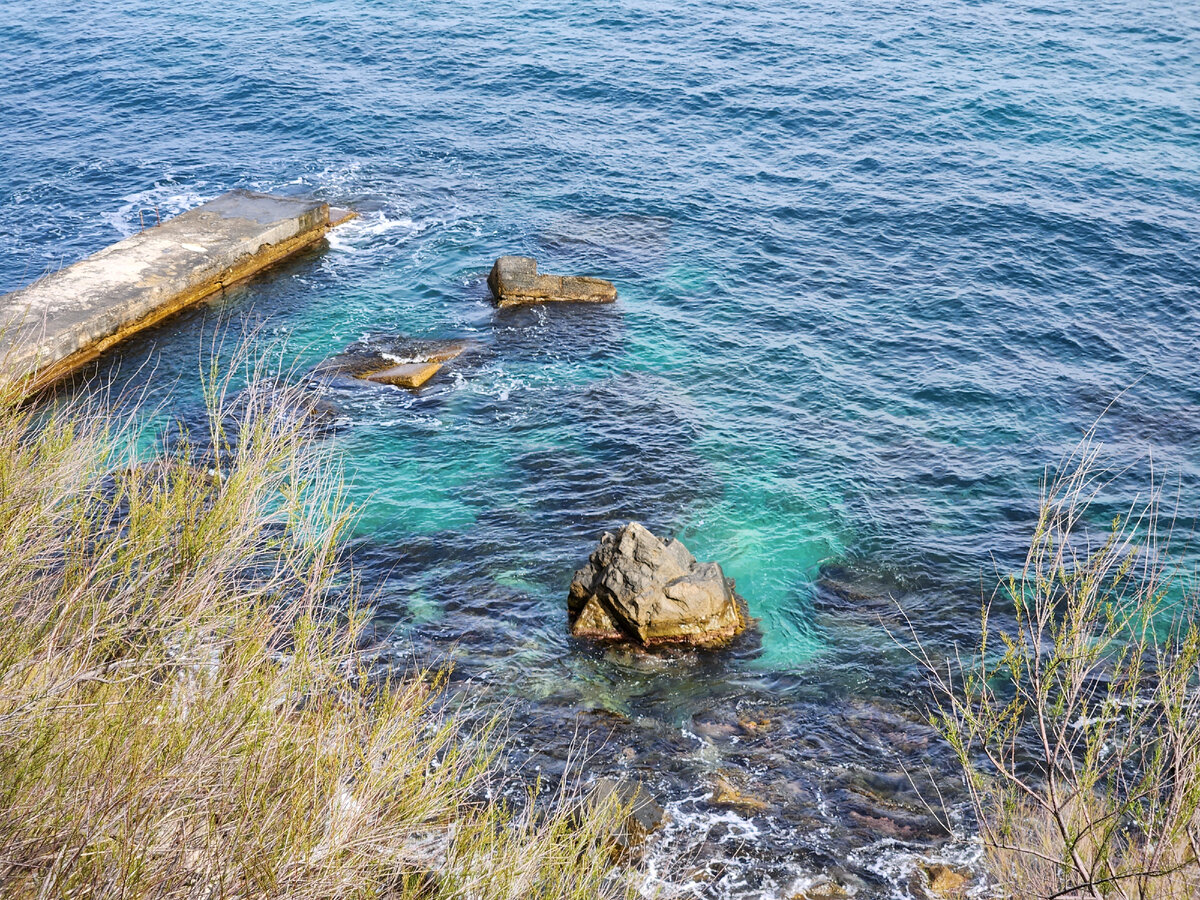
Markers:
point(514, 280)
point(638, 587)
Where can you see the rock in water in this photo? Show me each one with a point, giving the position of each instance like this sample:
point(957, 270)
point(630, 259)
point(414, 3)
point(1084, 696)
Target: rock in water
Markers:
point(945, 881)
point(726, 794)
point(638, 587)
point(406, 375)
point(392, 359)
point(644, 813)
point(514, 280)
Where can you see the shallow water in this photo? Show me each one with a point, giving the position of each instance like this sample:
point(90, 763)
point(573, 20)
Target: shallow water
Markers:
point(879, 264)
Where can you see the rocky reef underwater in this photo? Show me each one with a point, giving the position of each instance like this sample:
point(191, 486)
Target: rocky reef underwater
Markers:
point(737, 789)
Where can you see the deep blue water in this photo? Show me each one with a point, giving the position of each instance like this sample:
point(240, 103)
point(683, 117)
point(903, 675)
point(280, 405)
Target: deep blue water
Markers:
point(879, 265)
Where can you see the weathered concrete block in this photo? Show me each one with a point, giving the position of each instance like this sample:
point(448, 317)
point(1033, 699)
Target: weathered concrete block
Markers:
point(393, 359)
point(514, 280)
point(66, 319)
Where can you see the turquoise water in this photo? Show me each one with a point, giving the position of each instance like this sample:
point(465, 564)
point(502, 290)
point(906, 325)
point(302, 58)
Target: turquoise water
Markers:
point(879, 264)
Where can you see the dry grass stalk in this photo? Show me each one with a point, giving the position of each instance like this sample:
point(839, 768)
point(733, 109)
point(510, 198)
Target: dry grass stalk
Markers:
point(183, 710)
point(1077, 719)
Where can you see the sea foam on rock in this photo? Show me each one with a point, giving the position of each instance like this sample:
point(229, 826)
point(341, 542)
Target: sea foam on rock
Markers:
point(515, 280)
point(636, 586)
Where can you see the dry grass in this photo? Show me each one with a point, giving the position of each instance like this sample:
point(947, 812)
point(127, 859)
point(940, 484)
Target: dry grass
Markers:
point(1077, 719)
point(183, 710)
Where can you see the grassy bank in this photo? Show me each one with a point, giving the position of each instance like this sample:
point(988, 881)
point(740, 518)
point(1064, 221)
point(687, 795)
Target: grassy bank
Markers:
point(184, 710)
point(1077, 717)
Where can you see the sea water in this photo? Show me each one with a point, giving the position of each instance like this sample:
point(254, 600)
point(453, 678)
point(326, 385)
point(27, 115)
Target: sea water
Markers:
point(880, 264)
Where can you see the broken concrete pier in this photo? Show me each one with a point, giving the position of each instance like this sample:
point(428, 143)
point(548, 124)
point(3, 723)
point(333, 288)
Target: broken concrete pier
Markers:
point(68, 318)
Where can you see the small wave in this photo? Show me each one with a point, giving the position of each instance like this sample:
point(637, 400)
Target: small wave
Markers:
point(358, 234)
point(689, 825)
point(401, 360)
point(165, 199)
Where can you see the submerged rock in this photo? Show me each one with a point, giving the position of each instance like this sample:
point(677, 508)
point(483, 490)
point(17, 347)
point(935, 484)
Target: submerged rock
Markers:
point(726, 794)
point(514, 280)
point(396, 360)
point(637, 586)
point(945, 881)
point(823, 890)
point(644, 816)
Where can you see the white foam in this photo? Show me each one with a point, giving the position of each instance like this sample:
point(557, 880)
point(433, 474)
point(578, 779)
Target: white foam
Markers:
point(401, 360)
point(360, 234)
point(897, 862)
point(688, 825)
point(691, 824)
point(165, 199)
point(808, 881)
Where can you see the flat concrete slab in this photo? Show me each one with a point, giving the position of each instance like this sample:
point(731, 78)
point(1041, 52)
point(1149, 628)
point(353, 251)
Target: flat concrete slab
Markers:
point(406, 375)
point(70, 317)
point(393, 359)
